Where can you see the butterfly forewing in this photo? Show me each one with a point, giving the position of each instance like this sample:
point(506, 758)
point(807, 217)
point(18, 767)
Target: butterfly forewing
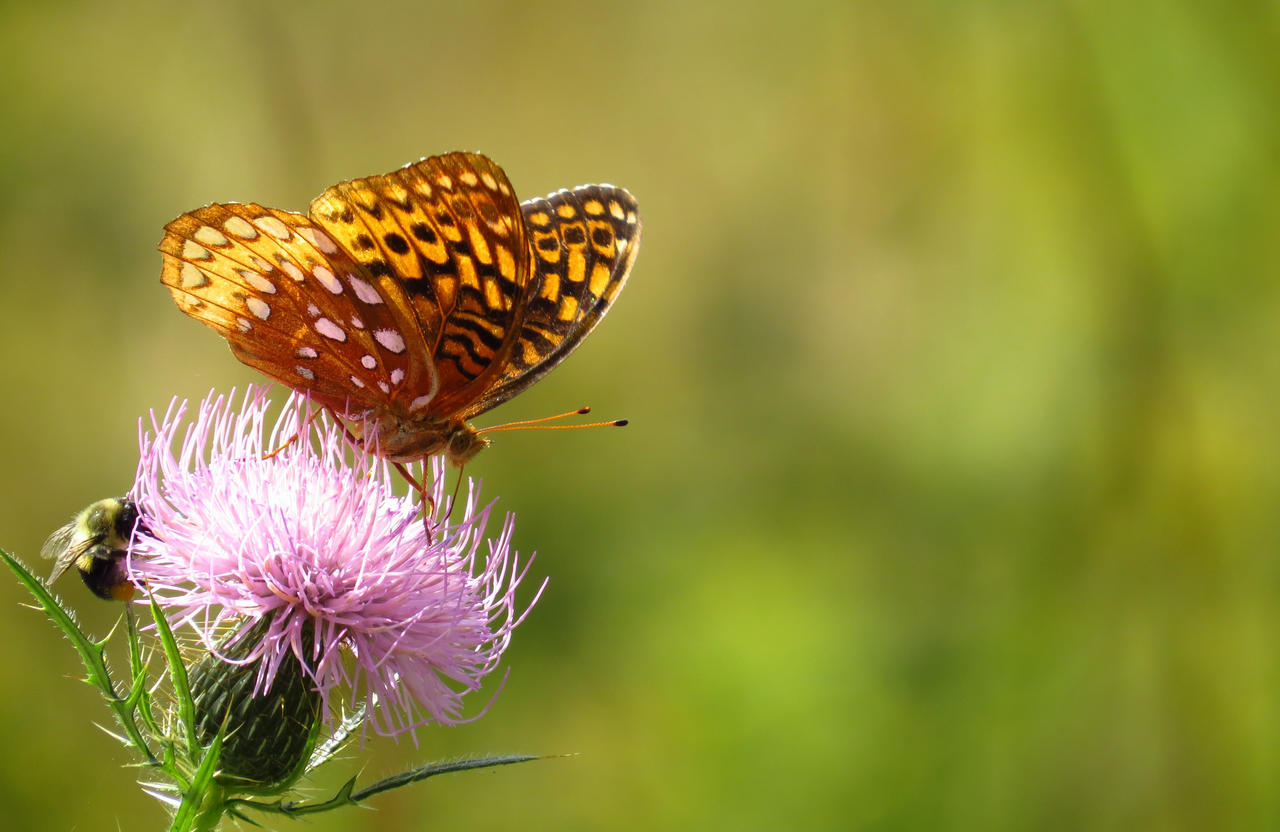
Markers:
point(444, 239)
point(583, 243)
point(289, 301)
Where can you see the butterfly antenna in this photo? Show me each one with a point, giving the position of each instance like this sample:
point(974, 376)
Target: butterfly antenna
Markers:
point(535, 424)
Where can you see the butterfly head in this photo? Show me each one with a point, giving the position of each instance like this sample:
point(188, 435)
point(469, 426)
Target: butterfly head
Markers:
point(411, 440)
point(463, 443)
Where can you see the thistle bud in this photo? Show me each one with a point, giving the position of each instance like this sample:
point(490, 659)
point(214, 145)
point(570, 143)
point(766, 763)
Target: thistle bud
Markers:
point(269, 733)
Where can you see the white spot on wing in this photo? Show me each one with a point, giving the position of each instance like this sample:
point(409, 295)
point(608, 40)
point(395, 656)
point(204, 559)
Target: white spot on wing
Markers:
point(192, 277)
point(292, 270)
point(369, 362)
point(257, 281)
point(318, 239)
point(262, 265)
point(327, 279)
point(259, 308)
point(356, 322)
point(397, 375)
point(211, 236)
point(390, 340)
point(274, 227)
point(330, 330)
point(420, 402)
point(244, 324)
point(192, 250)
point(307, 352)
point(363, 290)
point(384, 387)
point(240, 227)
point(357, 382)
point(306, 373)
point(313, 310)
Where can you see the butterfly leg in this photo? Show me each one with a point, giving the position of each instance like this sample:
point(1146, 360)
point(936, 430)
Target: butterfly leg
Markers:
point(425, 500)
point(453, 498)
point(287, 443)
point(419, 487)
point(306, 423)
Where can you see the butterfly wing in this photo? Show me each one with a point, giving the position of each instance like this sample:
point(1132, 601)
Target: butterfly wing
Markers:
point(428, 293)
point(293, 305)
point(583, 243)
point(444, 239)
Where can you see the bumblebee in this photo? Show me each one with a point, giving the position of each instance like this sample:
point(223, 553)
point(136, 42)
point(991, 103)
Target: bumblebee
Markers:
point(96, 542)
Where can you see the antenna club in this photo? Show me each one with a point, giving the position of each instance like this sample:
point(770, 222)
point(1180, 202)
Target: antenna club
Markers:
point(621, 423)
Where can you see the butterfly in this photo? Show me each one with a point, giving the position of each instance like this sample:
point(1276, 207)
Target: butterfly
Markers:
point(407, 303)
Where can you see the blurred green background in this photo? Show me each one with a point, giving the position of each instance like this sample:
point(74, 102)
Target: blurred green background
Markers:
point(949, 498)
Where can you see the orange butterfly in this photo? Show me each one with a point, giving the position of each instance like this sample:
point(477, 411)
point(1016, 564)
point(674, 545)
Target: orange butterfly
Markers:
point(416, 300)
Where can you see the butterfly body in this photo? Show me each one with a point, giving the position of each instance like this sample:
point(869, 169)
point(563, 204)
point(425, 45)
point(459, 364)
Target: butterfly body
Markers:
point(411, 440)
point(411, 302)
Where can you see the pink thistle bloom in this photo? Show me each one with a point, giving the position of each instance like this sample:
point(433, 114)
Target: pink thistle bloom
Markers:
point(315, 538)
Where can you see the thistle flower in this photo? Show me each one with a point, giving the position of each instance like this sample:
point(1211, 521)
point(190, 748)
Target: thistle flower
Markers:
point(311, 551)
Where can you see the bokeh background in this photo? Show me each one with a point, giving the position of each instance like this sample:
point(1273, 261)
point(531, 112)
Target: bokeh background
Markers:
point(949, 497)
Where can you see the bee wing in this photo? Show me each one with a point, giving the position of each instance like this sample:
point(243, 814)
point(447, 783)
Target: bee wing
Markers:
point(63, 548)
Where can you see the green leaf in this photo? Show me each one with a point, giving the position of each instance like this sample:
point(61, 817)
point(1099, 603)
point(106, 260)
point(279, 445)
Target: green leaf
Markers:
point(348, 796)
point(325, 750)
point(91, 652)
point(432, 769)
point(203, 803)
point(140, 694)
point(177, 678)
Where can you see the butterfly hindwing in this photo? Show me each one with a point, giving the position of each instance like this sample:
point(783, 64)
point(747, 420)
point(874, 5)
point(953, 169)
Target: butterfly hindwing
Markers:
point(582, 243)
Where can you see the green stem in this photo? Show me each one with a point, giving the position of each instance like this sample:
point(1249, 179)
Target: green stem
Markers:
point(203, 802)
point(211, 809)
